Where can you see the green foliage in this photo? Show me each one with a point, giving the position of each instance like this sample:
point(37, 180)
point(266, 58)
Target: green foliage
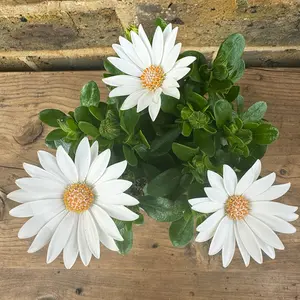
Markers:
point(168, 159)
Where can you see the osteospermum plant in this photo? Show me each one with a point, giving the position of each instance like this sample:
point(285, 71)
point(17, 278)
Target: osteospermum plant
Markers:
point(172, 140)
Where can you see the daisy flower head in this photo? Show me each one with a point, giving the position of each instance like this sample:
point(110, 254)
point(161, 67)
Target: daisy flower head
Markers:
point(244, 212)
point(71, 204)
point(149, 69)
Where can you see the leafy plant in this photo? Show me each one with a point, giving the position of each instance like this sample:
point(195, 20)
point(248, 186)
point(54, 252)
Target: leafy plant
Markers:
point(168, 159)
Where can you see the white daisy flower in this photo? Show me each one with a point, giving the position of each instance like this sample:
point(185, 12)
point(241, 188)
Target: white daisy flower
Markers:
point(243, 212)
point(151, 69)
point(72, 203)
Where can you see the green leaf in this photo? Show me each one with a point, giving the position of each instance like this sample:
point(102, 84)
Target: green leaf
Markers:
point(220, 72)
point(198, 101)
point(125, 229)
point(186, 129)
point(109, 127)
point(219, 86)
point(62, 143)
point(169, 105)
point(184, 152)
point(130, 156)
point(233, 93)
point(204, 141)
point(255, 112)
point(143, 139)
point(82, 113)
point(161, 23)
point(150, 171)
point(265, 134)
point(222, 112)
point(88, 129)
point(50, 116)
point(196, 190)
point(97, 112)
point(71, 124)
point(245, 135)
point(110, 68)
point(128, 120)
point(181, 232)
point(63, 125)
point(90, 94)
point(185, 113)
point(210, 129)
point(55, 134)
point(165, 141)
point(257, 151)
point(161, 209)
point(240, 104)
point(198, 119)
point(164, 183)
point(237, 72)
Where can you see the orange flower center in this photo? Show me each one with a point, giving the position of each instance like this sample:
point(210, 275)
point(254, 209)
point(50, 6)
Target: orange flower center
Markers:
point(152, 77)
point(237, 207)
point(78, 197)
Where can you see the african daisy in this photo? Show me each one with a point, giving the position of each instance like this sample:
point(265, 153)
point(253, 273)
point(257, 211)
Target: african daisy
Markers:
point(72, 203)
point(243, 212)
point(149, 69)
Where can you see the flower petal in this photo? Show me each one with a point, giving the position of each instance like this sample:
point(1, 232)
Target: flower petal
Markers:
point(94, 151)
point(169, 62)
point(264, 232)
point(259, 186)
point(23, 196)
point(125, 66)
point(169, 44)
point(154, 108)
point(107, 241)
point(83, 159)
point(114, 171)
point(229, 180)
point(272, 208)
point(120, 52)
point(144, 101)
point(178, 73)
point(112, 187)
point(212, 221)
point(34, 224)
point(46, 233)
point(120, 199)
point(207, 207)
point(244, 253)
point(215, 180)
point(105, 222)
point(185, 61)
point(171, 91)
point(249, 241)
point(141, 49)
point(275, 223)
point(120, 80)
point(66, 164)
point(70, 252)
point(167, 31)
point(228, 246)
point(36, 172)
point(84, 250)
point(216, 195)
point(120, 212)
point(290, 217)
point(91, 233)
point(248, 178)
point(60, 236)
point(198, 200)
point(220, 235)
point(48, 162)
point(274, 192)
point(132, 100)
point(125, 90)
point(29, 209)
point(145, 39)
point(266, 248)
point(98, 167)
point(170, 83)
point(157, 46)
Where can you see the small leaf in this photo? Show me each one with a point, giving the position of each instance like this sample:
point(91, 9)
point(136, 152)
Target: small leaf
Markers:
point(50, 116)
point(143, 139)
point(198, 119)
point(204, 141)
point(265, 134)
point(240, 104)
point(82, 113)
point(185, 113)
point(88, 129)
point(220, 72)
point(90, 94)
point(245, 135)
point(169, 105)
point(161, 23)
point(223, 85)
point(181, 232)
point(255, 112)
point(72, 124)
point(186, 129)
point(97, 112)
point(129, 119)
point(164, 183)
point(150, 171)
point(161, 209)
point(109, 127)
point(222, 112)
point(184, 152)
point(130, 156)
point(125, 229)
point(233, 93)
point(55, 134)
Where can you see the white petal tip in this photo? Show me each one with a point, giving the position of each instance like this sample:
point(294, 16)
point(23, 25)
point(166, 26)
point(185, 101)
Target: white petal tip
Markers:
point(31, 250)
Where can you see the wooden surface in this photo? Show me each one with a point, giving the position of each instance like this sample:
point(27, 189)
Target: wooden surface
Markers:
point(153, 269)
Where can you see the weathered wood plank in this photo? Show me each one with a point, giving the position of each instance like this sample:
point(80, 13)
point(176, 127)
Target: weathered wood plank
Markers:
point(154, 269)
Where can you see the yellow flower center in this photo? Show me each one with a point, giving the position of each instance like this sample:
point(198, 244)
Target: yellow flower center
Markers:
point(152, 77)
point(78, 197)
point(237, 207)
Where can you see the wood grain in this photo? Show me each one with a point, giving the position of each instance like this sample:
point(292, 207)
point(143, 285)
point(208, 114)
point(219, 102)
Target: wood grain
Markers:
point(154, 269)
